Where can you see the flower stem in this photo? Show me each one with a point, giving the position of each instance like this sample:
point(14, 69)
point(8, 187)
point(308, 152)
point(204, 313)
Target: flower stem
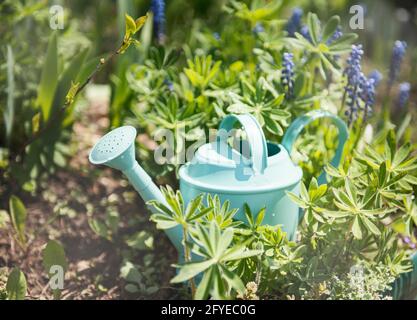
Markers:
point(187, 258)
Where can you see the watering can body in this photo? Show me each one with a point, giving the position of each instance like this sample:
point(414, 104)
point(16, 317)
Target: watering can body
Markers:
point(260, 176)
point(259, 173)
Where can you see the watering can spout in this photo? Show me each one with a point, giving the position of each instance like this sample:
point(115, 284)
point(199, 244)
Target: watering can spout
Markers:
point(117, 150)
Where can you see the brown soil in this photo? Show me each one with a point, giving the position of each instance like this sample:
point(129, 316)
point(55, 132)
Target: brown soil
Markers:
point(94, 262)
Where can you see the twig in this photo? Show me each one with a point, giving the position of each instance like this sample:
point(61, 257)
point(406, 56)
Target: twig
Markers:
point(67, 104)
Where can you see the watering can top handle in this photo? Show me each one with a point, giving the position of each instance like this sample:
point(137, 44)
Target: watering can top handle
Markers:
point(255, 136)
point(298, 125)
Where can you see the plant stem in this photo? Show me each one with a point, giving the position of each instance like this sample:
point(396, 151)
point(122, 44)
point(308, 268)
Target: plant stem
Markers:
point(60, 112)
point(187, 258)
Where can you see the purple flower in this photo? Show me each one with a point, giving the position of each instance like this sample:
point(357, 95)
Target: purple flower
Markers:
point(336, 35)
point(305, 33)
point(409, 242)
point(403, 94)
point(367, 94)
point(158, 9)
point(357, 87)
point(169, 85)
point(353, 69)
point(216, 36)
point(287, 74)
point(398, 52)
point(377, 76)
point(258, 28)
point(294, 23)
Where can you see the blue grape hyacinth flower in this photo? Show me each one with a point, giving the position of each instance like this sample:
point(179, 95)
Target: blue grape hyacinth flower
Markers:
point(403, 94)
point(158, 10)
point(305, 33)
point(377, 76)
point(353, 70)
point(355, 83)
point(258, 28)
point(294, 23)
point(287, 74)
point(398, 52)
point(367, 94)
point(336, 35)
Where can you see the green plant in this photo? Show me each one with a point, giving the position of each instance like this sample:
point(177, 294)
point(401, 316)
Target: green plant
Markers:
point(16, 286)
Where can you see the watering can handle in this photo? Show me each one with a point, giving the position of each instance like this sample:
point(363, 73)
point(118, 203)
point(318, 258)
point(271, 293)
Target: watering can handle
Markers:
point(255, 136)
point(298, 125)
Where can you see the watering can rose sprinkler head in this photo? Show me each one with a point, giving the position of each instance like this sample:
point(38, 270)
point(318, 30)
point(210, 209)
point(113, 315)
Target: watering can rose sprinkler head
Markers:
point(116, 150)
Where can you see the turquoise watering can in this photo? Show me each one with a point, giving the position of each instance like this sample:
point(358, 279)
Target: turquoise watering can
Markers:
point(261, 178)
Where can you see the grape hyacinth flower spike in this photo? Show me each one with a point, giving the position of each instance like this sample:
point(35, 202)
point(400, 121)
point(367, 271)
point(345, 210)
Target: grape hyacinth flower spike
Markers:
point(354, 75)
point(367, 95)
point(158, 10)
point(398, 52)
point(377, 76)
point(403, 94)
point(336, 35)
point(294, 23)
point(287, 74)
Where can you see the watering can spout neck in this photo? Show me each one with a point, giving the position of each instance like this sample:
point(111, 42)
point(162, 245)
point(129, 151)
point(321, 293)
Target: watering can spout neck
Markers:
point(117, 150)
point(143, 184)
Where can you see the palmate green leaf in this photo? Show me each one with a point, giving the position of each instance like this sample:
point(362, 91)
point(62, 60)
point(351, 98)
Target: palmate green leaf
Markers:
point(302, 203)
point(335, 172)
point(199, 215)
point(356, 228)
point(351, 192)
point(370, 226)
point(224, 242)
point(164, 222)
point(239, 108)
point(218, 287)
point(248, 214)
point(342, 201)
point(382, 174)
point(330, 27)
point(304, 193)
point(49, 79)
point(201, 237)
point(313, 23)
point(232, 280)
point(239, 252)
point(203, 289)
point(273, 127)
point(214, 238)
point(16, 286)
point(401, 155)
point(411, 179)
point(318, 193)
point(191, 269)
point(18, 215)
point(260, 217)
point(194, 205)
point(336, 214)
point(409, 165)
point(342, 44)
point(162, 208)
